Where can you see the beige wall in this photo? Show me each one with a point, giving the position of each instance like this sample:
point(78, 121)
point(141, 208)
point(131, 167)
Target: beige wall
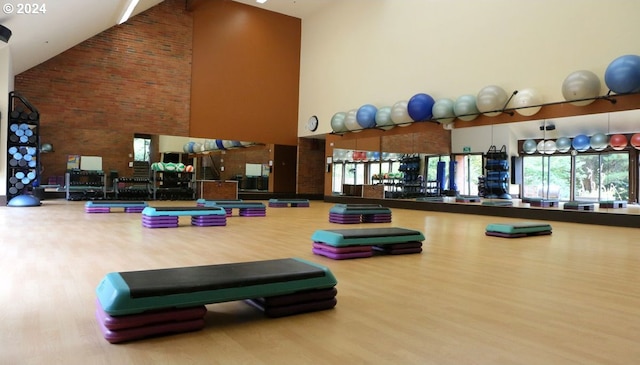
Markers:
point(382, 51)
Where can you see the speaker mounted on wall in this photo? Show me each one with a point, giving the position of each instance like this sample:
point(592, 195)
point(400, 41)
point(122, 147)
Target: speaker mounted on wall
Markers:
point(5, 34)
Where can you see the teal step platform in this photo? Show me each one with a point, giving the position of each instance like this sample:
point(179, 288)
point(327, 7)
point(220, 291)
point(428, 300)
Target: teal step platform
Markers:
point(514, 230)
point(182, 211)
point(366, 236)
point(126, 293)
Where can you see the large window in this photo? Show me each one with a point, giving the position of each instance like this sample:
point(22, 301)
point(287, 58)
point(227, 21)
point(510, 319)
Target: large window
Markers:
point(583, 177)
point(547, 177)
point(602, 177)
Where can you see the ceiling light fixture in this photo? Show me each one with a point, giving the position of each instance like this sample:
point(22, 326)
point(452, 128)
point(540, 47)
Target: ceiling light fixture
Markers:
point(127, 13)
point(261, 1)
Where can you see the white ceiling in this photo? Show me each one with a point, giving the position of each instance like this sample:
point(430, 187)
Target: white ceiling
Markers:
point(66, 23)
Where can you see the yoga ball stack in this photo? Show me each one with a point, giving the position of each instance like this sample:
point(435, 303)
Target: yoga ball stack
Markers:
point(23, 152)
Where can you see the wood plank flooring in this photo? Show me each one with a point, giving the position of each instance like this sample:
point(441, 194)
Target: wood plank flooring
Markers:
point(569, 298)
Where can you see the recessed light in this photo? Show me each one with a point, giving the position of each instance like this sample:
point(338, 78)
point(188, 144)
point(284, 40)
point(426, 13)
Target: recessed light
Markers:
point(261, 1)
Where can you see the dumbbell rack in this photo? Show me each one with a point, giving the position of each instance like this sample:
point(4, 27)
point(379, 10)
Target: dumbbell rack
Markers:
point(23, 146)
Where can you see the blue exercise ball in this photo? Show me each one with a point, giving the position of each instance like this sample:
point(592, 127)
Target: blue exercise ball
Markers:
point(580, 143)
point(599, 141)
point(623, 74)
point(491, 98)
point(366, 116)
point(420, 106)
point(442, 111)
point(337, 122)
point(465, 108)
point(529, 146)
point(383, 118)
point(582, 84)
point(563, 144)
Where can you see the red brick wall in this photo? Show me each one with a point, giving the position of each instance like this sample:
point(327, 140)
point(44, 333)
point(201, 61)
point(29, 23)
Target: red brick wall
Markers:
point(132, 78)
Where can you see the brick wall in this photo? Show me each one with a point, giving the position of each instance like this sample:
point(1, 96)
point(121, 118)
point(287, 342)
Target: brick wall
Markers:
point(132, 78)
point(311, 163)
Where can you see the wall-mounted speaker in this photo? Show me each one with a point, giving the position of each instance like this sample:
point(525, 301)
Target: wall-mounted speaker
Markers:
point(5, 33)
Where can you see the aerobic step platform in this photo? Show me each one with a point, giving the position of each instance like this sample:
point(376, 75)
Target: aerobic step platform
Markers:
point(359, 213)
point(139, 304)
point(245, 209)
point(517, 230)
point(358, 243)
point(133, 292)
point(294, 203)
point(168, 217)
point(104, 206)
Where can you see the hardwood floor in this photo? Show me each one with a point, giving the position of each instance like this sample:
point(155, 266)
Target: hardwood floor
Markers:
point(569, 298)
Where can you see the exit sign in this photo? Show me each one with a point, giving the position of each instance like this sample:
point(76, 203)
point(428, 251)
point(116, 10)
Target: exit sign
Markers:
point(466, 149)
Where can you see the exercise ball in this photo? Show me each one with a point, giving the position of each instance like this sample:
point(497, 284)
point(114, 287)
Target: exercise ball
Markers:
point(623, 74)
point(527, 98)
point(529, 146)
point(442, 111)
point(383, 118)
point(400, 114)
point(618, 142)
point(366, 116)
point(465, 108)
point(550, 147)
point(599, 141)
point(188, 147)
point(635, 141)
point(547, 147)
point(46, 147)
point(580, 143)
point(491, 98)
point(350, 121)
point(563, 144)
point(337, 122)
point(581, 84)
point(420, 107)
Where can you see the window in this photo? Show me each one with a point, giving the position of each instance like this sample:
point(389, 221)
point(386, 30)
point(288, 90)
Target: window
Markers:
point(547, 177)
point(602, 177)
point(468, 170)
point(141, 148)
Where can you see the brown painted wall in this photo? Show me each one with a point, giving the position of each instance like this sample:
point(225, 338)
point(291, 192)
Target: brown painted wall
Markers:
point(245, 75)
point(132, 78)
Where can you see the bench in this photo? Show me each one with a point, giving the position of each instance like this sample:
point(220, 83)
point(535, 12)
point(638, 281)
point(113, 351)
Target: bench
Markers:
point(168, 217)
point(431, 199)
point(517, 230)
point(137, 304)
point(358, 243)
point(283, 203)
point(104, 206)
point(359, 213)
